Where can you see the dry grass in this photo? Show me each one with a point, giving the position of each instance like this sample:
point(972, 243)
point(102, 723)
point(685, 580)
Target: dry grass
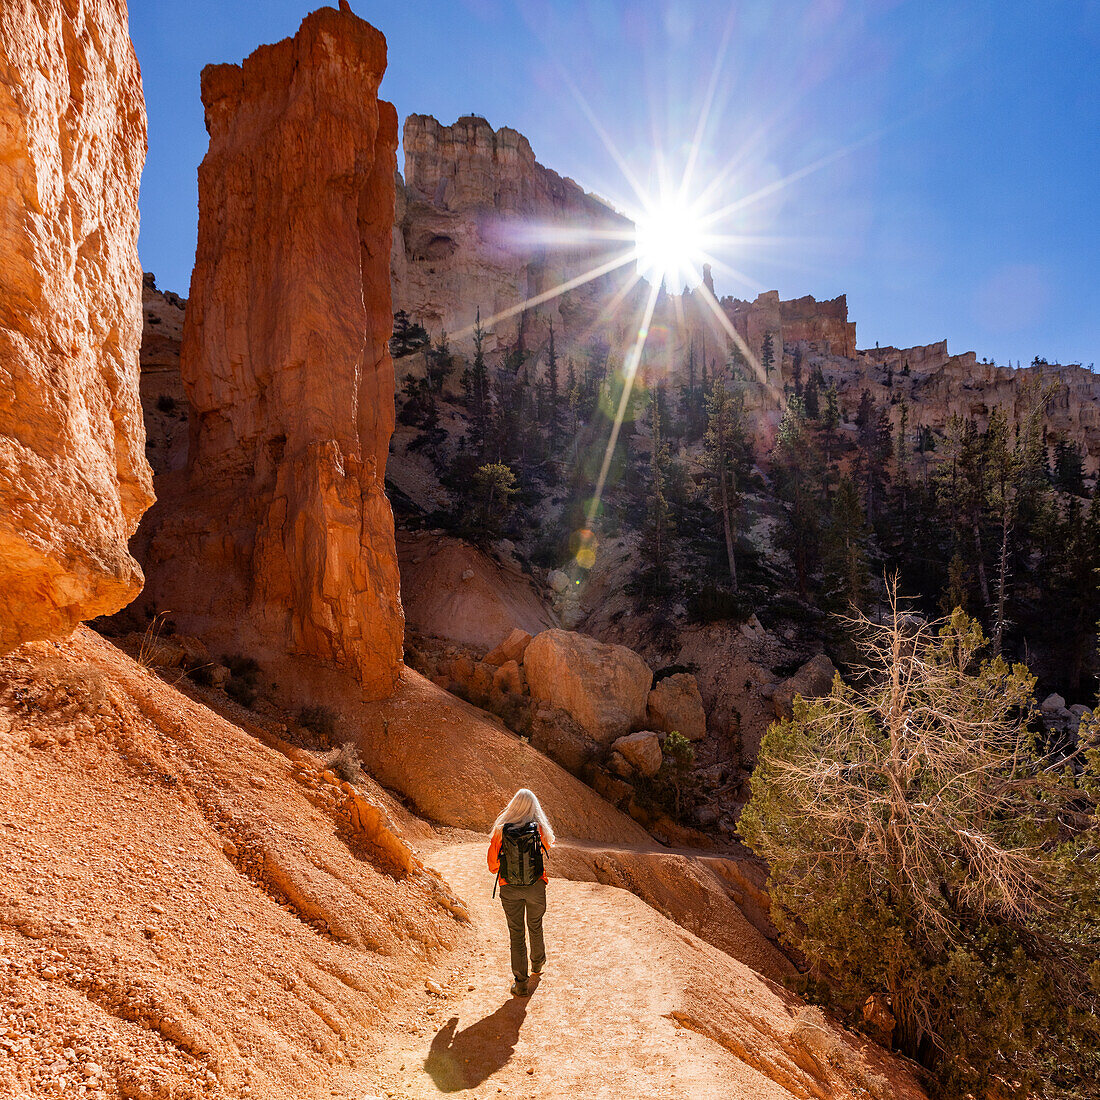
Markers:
point(345, 762)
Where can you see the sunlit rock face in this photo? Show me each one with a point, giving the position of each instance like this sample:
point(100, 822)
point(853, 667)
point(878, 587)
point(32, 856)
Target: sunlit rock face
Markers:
point(73, 476)
point(278, 535)
point(825, 324)
point(480, 225)
point(936, 386)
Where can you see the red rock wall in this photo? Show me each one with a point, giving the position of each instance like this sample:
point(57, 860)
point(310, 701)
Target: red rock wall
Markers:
point(286, 364)
point(73, 477)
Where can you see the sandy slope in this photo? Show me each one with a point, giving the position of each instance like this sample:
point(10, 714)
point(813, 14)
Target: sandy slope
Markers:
point(183, 912)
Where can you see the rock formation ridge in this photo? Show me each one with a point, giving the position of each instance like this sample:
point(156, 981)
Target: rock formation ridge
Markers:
point(480, 224)
point(73, 477)
point(285, 362)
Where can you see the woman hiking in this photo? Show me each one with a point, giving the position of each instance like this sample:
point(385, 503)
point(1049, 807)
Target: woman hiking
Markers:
point(521, 834)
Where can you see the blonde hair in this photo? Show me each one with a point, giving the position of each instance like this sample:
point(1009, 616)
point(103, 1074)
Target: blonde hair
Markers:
point(523, 808)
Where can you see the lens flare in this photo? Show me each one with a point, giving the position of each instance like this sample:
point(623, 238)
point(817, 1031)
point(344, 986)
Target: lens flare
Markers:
point(584, 545)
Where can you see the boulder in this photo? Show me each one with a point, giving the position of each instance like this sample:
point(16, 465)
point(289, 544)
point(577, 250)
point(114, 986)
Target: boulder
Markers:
point(641, 750)
point(508, 678)
point(73, 476)
point(614, 790)
point(558, 580)
point(603, 687)
point(472, 680)
point(676, 704)
point(1053, 702)
point(811, 681)
point(511, 649)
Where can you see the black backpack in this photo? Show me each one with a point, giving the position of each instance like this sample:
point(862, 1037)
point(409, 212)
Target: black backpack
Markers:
point(520, 854)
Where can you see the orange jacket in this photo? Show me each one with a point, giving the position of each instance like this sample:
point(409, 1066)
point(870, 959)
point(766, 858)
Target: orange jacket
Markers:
point(494, 854)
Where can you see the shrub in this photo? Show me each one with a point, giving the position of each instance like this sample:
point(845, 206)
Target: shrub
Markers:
point(319, 720)
point(166, 403)
point(922, 847)
point(346, 762)
point(241, 691)
point(243, 684)
point(711, 604)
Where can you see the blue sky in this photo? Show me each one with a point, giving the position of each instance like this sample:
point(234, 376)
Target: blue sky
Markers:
point(953, 148)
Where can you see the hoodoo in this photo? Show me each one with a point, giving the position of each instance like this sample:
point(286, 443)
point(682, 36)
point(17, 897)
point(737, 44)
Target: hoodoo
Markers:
point(73, 477)
point(285, 362)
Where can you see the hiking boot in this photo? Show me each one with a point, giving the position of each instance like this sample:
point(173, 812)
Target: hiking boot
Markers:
point(519, 989)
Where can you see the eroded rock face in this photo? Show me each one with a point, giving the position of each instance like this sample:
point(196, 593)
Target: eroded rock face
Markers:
point(677, 704)
point(936, 386)
point(73, 476)
point(286, 365)
point(602, 687)
point(473, 231)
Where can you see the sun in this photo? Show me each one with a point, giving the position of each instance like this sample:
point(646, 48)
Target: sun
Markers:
point(670, 245)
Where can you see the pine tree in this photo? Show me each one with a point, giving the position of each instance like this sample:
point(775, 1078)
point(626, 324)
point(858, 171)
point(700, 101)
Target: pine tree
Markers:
point(1069, 469)
point(812, 399)
point(799, 476)
point(553, 396)
point(657, 531)
point(495, 485)
point(767, 354)
point(901, 451)
point(964, 476)
point(866, 409)
point(875, 452)
point(408, 336)
point(921, 843)
point(439, 363)
point(475, 385)
point(691, 401)
point(831, 420)
point(724, 446)
point(846, 545)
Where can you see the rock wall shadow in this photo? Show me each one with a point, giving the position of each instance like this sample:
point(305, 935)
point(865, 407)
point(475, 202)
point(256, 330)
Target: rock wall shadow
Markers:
point(462, 1059)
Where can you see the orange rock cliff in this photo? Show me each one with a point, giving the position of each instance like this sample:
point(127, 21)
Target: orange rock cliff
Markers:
point(285, 363)
point(73, 477)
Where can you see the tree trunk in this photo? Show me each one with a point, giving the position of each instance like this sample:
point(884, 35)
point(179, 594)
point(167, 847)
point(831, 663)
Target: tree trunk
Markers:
point(1002, 584)
point(727, 524)
point(983, 580)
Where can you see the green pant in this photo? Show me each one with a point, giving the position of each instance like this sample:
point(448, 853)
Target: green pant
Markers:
point(529, 901)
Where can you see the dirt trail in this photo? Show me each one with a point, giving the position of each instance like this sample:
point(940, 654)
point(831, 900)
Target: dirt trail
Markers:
point(189, 906)
point(599, 1023)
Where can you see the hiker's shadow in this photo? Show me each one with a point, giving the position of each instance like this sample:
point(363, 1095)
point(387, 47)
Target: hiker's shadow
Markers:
point(462, 1059)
